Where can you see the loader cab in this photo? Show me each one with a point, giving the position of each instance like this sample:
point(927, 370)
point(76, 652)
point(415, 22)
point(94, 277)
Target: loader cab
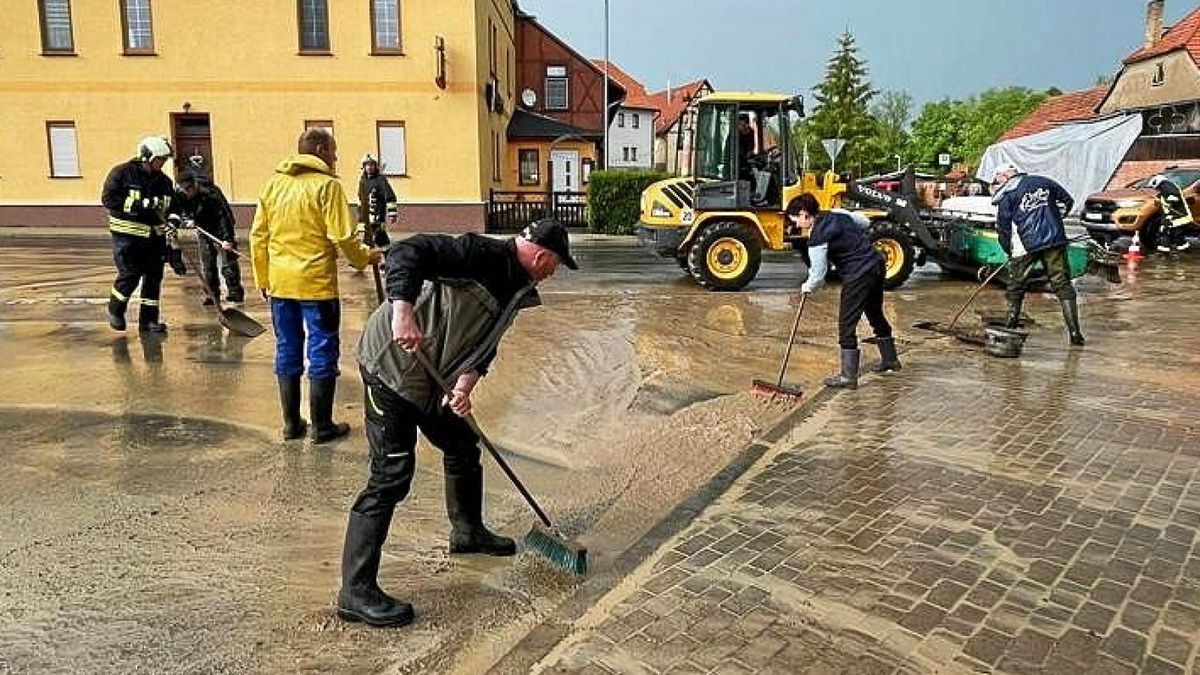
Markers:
point(743, 155)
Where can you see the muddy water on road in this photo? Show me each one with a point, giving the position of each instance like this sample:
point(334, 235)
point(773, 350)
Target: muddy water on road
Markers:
point(158, 525)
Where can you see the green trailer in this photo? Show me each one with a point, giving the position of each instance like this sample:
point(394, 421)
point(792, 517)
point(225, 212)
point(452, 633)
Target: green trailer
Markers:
point(981, 245)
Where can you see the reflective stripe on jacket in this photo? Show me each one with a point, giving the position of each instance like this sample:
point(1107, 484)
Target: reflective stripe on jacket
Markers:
point(136, 200)
point(301, 222)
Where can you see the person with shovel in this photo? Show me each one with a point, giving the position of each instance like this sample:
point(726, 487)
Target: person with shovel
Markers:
point(202, 202)
point(377, 204)
point(301, 221)
point(137, 196)
point(1029, 221)
point(835, 238)
point(451, 299)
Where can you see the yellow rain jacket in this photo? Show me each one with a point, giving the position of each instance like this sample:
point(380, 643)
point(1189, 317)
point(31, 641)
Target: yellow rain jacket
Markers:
point(301, 221)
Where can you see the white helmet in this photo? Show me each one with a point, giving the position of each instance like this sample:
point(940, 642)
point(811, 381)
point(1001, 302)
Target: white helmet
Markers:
point(1155, 181)
point(153, 147)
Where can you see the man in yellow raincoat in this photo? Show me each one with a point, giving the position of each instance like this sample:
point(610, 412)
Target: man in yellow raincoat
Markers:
point(303, 219)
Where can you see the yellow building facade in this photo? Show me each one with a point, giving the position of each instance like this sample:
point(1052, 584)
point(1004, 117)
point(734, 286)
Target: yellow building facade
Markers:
point(426, 85)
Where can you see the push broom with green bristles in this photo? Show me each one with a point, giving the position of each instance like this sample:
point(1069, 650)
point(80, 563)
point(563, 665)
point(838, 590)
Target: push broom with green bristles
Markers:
point(542, 537)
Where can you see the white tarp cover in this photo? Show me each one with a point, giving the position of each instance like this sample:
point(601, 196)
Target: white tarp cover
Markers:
point(1081, 157)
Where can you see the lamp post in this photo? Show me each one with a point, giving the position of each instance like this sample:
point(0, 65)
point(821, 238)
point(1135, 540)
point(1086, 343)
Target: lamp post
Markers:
point(604, 115)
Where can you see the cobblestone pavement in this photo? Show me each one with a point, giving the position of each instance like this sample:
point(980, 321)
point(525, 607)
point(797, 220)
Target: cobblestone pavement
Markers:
point(968, 514)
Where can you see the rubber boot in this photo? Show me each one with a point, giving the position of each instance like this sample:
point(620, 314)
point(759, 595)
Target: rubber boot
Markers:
point(320, 407)
point(1070, 310)
point(888, 359)
point(1013, 318)
point(294, 426)
point(464, 506)
point(360, 598)
point(116, 314)
point(148, 320)
point(848, 379)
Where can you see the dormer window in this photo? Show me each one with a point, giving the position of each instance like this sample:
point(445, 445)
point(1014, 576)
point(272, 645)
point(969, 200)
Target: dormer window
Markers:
point(1160, 75)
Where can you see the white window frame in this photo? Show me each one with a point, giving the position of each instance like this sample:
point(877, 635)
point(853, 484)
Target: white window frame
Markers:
point(50, 31)
point(557, 76)
point(62, 142)
point(381, 26)
point(391, 143)
point(1159, 78)
point(322, 17)
point(132, 27)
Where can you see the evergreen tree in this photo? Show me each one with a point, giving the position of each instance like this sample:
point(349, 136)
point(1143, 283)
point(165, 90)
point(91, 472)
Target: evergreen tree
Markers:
point(843, 101)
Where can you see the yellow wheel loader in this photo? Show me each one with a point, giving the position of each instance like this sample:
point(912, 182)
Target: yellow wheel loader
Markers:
point(716, 221)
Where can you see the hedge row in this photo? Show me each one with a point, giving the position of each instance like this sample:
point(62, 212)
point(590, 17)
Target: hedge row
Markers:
point(613, 198)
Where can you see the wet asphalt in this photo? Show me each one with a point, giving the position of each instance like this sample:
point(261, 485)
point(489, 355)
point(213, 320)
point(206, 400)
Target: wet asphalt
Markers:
point(154, 522)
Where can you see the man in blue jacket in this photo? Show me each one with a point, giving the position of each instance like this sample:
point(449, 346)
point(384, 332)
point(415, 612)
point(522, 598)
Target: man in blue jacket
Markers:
point(1029, 218)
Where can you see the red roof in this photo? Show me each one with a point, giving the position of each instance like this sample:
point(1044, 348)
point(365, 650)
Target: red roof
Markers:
point(635, 93)
point(680, 97)
point(1074, 106)
point(1183, 35)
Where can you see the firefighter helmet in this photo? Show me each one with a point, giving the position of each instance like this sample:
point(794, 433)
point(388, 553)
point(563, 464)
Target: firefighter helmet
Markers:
point(369, 159)
point(154, 147)
point(1155, 181)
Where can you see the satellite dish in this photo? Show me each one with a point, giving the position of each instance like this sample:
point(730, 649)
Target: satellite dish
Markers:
point(529, 98)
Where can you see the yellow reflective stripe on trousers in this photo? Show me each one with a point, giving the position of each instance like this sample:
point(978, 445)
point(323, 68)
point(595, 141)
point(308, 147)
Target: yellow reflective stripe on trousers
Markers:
point(117, 294)
point(150, 303)
point(123, 226)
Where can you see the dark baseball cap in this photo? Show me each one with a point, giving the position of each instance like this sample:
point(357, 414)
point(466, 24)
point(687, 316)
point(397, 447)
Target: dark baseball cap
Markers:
point(551, 234)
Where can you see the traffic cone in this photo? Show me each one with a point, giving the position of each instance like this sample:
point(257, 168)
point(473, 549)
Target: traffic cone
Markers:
point(1134, 253)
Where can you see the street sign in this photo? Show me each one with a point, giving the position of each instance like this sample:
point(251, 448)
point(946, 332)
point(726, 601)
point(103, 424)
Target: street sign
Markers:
point(944, 159)
point(833, 148)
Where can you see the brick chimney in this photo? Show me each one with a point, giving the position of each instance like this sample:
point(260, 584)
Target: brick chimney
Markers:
point(1154, 22)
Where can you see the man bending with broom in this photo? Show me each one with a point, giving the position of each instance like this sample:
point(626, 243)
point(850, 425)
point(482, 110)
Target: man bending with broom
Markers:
point(452, 299)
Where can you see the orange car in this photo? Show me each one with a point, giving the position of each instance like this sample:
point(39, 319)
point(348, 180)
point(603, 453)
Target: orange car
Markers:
point(1113, 214)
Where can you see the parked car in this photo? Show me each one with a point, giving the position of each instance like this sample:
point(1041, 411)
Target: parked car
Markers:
point(1112, 214)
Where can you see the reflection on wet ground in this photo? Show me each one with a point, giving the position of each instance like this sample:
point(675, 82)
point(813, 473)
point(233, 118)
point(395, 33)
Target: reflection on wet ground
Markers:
point(158, 520)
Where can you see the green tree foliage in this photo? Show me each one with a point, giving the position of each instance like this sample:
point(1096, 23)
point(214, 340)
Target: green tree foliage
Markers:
point(966, 128)
point(842, 110)
point(892, 112)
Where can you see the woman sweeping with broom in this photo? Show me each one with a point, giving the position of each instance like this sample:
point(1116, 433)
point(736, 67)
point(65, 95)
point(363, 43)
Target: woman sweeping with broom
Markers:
point(834, 238)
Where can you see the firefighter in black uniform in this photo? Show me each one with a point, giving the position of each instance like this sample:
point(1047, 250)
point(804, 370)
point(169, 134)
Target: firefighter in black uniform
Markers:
point(201, 201)
point(137, 195)
point(376, 204)
point(1176, 215)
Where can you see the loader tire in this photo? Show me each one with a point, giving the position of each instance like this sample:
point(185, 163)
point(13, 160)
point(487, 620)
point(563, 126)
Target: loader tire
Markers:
point(896, 246)
point(725, 256)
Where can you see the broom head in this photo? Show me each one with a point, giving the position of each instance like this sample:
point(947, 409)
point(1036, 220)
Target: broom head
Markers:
point(560, 552)
point(776, 391)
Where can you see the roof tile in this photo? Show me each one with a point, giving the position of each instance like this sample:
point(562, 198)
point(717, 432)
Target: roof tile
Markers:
point(1183, 35)
point(1074, 106)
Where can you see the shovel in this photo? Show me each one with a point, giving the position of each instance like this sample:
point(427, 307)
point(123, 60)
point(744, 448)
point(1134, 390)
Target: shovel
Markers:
point(231, 318)
point(966, 335)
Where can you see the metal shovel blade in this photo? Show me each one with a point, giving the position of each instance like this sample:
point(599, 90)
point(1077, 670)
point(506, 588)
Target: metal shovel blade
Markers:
point(236, 321)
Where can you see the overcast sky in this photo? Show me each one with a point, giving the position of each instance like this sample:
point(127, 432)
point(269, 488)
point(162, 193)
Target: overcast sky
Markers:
point(929, 48)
